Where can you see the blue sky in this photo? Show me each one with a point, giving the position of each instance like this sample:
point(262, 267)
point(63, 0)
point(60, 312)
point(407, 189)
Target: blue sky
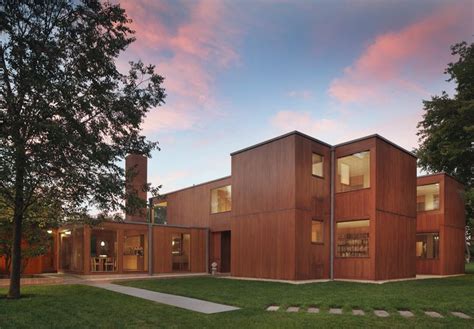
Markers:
point(239, 72)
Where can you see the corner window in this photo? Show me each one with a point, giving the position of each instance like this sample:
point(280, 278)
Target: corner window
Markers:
point(352, 238)
point(317, 165)
point(353, 172)
point(427, 245)
point(159, 213)
point(316, 231)
point(427, 197)
point(221, 199)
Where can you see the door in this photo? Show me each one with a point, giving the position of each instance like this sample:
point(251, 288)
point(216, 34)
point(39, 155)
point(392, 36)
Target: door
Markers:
point(225, 252)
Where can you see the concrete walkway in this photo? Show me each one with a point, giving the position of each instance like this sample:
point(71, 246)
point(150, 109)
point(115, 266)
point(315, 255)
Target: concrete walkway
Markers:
point(187, 303)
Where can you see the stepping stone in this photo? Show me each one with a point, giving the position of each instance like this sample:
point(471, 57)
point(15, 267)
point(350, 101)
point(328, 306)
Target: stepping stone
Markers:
point(433, 314)
point(381, 313)
point(406, 314)
point(461, 315)
point(273, 308)
point(335, 311)
point(293, 309)
point(313, 310)
point(358, 312)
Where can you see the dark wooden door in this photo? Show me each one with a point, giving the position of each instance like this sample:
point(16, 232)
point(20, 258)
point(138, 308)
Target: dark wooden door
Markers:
point(225, 252)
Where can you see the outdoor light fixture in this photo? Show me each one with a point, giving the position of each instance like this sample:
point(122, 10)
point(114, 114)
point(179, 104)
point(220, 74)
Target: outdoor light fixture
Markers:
point(67, 232)
point(49, 231)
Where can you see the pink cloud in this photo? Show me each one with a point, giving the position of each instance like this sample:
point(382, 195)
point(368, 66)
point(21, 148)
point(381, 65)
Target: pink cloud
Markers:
point(405, 59)
point(189, 53)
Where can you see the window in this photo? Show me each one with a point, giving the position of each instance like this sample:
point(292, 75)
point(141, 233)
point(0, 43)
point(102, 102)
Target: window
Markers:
point(180, 250)
point(352, 239)
point(316, 231)
point(221, 199)
point(353, 172)
point(135, 251)
point(159, 213)
point(317, 168)
point(427, 197)
point(427, 245)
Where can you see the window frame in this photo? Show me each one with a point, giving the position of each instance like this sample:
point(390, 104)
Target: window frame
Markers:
point(322, 232)
point(336, 170)
point(210, 200)
point(368, 239)
point(437, 258)
point(439, 198)
point(322, 165)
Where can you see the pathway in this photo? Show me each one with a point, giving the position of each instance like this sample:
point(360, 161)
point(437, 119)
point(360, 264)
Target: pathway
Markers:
point(187, 303)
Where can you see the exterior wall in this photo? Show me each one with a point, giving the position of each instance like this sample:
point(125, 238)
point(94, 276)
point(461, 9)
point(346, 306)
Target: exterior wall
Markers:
point(449, 222)
point(162, 262)
point(263, 201)
point(312, 202)
point(357, 205)
point(136, 165)
point(395, 213)
point(192, 207)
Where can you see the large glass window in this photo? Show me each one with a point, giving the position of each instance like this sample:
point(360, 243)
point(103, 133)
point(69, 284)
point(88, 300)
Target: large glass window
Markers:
point(103, 255)
point(316, 231)
point(317, 167)
point(427, 197)
point(135, 251)
point(180, 250)
point(221, 199)
point(352, 238)
point(159, 213)
point(427, 245)
point(353, 172)
point(72, 248)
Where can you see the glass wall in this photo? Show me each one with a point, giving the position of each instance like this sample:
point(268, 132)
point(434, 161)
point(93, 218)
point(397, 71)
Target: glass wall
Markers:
point(72, 250)
point(221, 199)
point(352, 238)
point(427, 245)
point(103, 257)
point(427, 197)
point(316, 231)
point(317, 167)
point(180, 251)
point(353, 172)
point(159, 213)
point(135, 251)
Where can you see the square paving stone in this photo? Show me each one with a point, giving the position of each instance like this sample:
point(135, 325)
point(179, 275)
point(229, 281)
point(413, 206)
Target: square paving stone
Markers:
point(358, 312)
point(461, 315)
point(433, 314)
point(406, 314)
point(381, 313)
point(335, 311)
point(273, 308)
point(293, 309)
point(313, 310)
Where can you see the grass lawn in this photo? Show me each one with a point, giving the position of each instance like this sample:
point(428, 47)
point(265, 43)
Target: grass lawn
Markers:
point(77, 306)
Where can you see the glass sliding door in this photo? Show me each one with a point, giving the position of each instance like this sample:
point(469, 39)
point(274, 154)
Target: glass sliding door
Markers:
point(103, 256)
point(180, 251)
point(135, 251)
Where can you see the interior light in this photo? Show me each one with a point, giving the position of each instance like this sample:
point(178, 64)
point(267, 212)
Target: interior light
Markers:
point(102, 243)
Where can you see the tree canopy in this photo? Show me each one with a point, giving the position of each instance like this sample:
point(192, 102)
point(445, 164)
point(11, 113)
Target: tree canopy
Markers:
point(67, 114)
point(447, 130)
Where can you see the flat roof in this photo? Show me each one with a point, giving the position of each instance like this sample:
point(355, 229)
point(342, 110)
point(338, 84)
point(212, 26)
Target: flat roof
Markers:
point(380, 137)
point(442, 173)
point(192, 186)
point(295, 132)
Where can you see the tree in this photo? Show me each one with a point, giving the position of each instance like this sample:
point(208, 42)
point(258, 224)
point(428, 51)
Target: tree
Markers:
point(446, 133)
point(67, 115)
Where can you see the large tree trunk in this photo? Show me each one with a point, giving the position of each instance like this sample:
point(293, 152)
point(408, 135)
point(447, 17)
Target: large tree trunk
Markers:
point(14, 291)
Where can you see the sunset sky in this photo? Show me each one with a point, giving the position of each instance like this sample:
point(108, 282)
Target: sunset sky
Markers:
point(240, 72)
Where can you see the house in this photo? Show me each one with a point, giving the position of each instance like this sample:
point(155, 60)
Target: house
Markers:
point(293, 208)
point(440, 229)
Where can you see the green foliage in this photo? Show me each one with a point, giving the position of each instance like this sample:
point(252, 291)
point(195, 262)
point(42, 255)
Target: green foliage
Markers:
point(446, 133)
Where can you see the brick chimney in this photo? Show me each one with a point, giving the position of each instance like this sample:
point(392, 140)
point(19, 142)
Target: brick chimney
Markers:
point(137, 164)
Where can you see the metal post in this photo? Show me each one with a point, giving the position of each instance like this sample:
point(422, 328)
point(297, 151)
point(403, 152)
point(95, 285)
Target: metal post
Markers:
point(150, 238)
point(332, 213)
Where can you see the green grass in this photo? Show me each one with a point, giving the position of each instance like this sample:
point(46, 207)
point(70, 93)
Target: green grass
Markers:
point(77, 306)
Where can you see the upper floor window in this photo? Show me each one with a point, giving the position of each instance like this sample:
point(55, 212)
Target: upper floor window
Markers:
point(353, 172)
point(427, 245)
point(317, 168)
point(159, 213)
point(427, 197)
point(221, 199)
